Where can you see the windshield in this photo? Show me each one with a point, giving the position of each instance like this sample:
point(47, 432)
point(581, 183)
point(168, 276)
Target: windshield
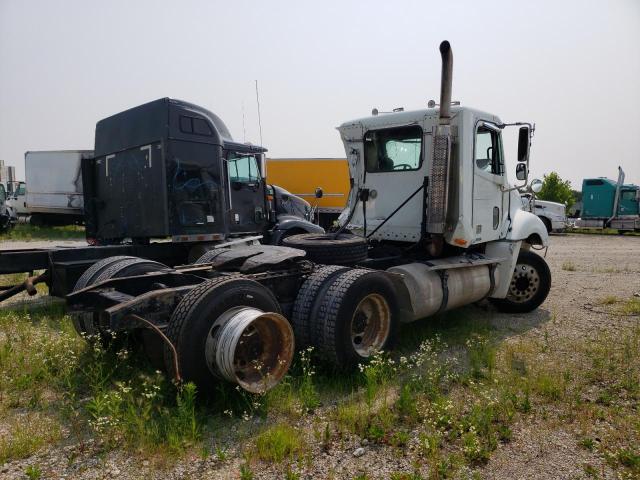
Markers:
point(243, 168)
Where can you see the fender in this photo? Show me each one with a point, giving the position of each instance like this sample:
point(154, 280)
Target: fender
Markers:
point(529, 228)
point(289, 222)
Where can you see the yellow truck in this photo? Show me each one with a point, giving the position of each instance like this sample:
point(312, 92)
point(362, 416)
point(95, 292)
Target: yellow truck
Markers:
point(303, 176)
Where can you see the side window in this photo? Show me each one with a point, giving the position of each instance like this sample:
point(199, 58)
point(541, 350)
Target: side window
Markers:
point(629, 195)
point(488, 150)
point(195, 126)
point(243, 168)
point(393, 149)
point(201, 127)
point(186, 125)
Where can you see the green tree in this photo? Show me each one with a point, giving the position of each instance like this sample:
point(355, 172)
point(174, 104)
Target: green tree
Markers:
point(554, 189)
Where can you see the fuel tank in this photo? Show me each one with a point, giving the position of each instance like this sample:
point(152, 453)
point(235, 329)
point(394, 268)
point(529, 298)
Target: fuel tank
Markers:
point(430, 289)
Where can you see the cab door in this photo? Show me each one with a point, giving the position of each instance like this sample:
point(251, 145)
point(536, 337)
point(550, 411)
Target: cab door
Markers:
point(246, 193)
point(488, 182)
point(394, 171)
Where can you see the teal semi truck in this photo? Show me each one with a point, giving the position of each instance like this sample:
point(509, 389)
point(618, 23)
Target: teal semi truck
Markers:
point(610, 204)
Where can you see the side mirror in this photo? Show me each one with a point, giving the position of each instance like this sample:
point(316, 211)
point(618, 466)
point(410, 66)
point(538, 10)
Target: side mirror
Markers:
point(523, 144)
point(521, 171)
point(536, 186)
point(319, 192)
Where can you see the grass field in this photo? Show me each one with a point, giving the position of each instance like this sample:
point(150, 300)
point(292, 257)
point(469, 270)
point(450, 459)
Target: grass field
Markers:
point(453, 390)
point(26, 232)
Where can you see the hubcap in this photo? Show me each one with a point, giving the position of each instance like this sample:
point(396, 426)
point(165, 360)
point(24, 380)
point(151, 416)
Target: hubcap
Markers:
point(370, 325)
point(524, 283)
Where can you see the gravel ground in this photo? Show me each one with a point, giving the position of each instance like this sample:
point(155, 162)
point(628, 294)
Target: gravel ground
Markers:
point(604, 265)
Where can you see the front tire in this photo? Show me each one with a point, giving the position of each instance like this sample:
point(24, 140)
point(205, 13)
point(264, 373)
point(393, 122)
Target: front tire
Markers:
point(529, 287)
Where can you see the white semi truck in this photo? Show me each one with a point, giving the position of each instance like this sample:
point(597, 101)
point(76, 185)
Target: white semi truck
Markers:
point(433, 224)
point(54, 186)
point(552, 214)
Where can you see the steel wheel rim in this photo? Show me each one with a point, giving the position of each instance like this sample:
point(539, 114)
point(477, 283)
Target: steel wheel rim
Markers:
point(250, 347)
point(525, 282)
point(370, 325)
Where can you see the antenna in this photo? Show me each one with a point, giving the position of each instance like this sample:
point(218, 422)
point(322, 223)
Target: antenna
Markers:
point(259, 119)
point(244, 130)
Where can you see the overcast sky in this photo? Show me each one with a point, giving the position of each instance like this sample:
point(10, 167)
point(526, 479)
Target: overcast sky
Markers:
point(573, 67)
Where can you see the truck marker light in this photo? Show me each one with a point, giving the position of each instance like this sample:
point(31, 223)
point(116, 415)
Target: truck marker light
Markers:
point(460, 241)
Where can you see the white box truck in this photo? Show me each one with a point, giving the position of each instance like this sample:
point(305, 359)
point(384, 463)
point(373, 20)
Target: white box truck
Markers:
point(54, 186)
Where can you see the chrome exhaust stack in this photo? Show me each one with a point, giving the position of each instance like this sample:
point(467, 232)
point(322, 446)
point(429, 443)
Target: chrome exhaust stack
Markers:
point(438, 195)
point(446, 81)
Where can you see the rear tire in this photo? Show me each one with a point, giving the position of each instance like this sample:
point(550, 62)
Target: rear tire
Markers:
point(529, 287)
point(357, 317)
point(307, 302)
point(193, 319)
point(86, 323)
point(83, 322)
point(324, 248)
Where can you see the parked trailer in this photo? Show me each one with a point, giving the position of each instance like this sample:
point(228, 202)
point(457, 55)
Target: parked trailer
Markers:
point(435, 225)
point(324, 182)
point(54, 186)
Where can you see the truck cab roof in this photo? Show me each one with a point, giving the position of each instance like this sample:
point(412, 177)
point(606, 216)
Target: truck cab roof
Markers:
point(412, 116)
point(151, 121)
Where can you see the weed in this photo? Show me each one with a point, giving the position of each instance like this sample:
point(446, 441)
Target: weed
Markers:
point(221, 453)
point(400, 438)
point(569, 266)
point(33, 472)
point(406, 404)
point(415, 475)
point(549, 384)
point(290, 474)
point(245, 472)
point(26, 435)
point(629, 459)
point(278, 442)
point(590, 470)
point(377, 373)
point(430, 443)
point(631, 307)
point(482, 357)
point(307, 391)
point(352, 416)
point(587, 443)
